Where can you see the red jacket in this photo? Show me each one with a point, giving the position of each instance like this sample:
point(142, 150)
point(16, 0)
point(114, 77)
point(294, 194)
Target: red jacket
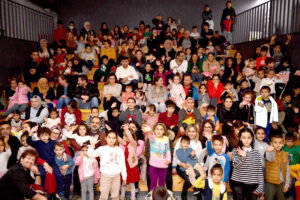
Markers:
point(60, 34)
point(260, 62)
point(215, 92)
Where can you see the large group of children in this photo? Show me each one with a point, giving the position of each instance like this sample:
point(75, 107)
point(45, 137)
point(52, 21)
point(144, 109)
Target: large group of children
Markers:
point(175, 102)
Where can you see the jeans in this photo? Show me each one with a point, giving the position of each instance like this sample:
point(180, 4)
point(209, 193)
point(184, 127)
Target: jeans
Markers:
point(228, 36)
point(57, 174)
point(197, 78)
point(18, 107)
point(62, 102)
point(67, 181)
point(87, 185)
point(93, 102)
point(160, 107)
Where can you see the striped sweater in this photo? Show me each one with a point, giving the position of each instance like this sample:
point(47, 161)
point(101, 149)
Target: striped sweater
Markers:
point(248, 169)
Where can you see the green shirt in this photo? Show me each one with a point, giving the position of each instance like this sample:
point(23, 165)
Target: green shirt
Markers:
point(294, 154)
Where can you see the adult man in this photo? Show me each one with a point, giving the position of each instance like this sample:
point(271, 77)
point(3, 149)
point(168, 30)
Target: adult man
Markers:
point(36, 112)
point(95, 130)
point(86, 93)
point(179, 65)
point(14, 143)
point(188, 116)
point(126, 74)
point(14, 185)
point(34, 68)
point(189, 88)
point(59, 35)
point(229, 10)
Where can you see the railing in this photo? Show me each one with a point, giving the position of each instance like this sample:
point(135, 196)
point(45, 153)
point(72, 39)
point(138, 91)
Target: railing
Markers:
point(21, 22)
point(273, 17)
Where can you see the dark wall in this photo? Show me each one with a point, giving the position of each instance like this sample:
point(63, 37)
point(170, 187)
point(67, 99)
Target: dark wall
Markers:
point(131, 12)
point(13, 54)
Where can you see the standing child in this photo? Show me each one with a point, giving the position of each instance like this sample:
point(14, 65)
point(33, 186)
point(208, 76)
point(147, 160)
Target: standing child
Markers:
point(81, 136)
point(88, 171)
point(147, 76)
point(295, 173)
point(227, 27)
point(261, 61)
point(65, 167)
point(177, 93)
point(129, 146)
point(246, 108)
point(247, 174)
point(266, 111)
point(112, 165)
point(150, 117)
point(5, 153)
point(207, 16)
point(53, 119)
point(160, 155)
point(277, 170)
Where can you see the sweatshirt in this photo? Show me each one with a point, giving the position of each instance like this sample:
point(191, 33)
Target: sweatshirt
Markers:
point(159, 151)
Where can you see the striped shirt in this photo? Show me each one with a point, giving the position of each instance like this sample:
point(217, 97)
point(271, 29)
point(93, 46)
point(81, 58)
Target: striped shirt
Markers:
point(248, 169)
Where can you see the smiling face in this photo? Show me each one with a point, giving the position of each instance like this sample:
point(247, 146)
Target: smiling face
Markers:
point(23, 141)
point(184, 144)
point(260, 135)
point(277, 143)
point(54, 134)
point(44, 137)
point(191, 133)
point(5, 130)
point(159, 131)
point(28, 161)
point(217, 145)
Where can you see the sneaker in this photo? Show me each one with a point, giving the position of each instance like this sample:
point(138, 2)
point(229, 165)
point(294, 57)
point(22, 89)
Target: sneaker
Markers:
point(196, 191)
point(58, 197)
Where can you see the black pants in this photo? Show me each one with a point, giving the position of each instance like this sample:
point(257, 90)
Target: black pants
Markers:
point(169, 178)
point(242, 191)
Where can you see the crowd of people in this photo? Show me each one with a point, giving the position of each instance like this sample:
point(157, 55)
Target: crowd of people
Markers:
point(173, 102)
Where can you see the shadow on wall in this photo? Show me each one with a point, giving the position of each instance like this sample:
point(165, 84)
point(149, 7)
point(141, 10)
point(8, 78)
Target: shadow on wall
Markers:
point(14, 53)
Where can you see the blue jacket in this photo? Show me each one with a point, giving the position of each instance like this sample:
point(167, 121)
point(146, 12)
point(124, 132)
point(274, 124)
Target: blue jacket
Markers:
point(60, 163)
point(184, 156)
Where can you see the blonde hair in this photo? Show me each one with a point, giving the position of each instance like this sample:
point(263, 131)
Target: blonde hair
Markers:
point(194, 127)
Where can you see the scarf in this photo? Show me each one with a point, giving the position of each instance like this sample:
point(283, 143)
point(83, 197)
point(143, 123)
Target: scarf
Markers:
point(42, 90)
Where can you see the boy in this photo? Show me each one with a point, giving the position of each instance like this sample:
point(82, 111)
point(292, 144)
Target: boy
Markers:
point(65, 167)
point(211, 115)
point(277, 170)
point(261, 61)
point(113, 119)
point(294, 151)
point(229, 91)
point(195, 34)
point(213, 187)
point(88, 56)
point(44, 147)
point(266, 111)
point(169, 118)
point(95, 113)
point(216, 155)
point(187, 159)
point(104, 68)
point(130, 113)
point(227, 27)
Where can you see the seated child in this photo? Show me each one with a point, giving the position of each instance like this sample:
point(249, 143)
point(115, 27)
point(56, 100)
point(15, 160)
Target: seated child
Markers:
point(177, 93)
point(213, 186)
point(257, 80)
point(81, 136)
point(104, 68)
point(148, 73)
point(211, 115)
point(250, 68)
point(141, 100)
point(170, 118)
point(53, 119)
point(229, 91)
point(16, 122)
point(95, 113)
point(128, 92)
point(150, 117)
point(25, 146)
point(270, 81)
point(65, 167)
point(113, 119)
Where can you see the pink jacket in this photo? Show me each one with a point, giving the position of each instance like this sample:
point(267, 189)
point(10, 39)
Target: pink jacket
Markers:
point(79, 162)
point(20, 96)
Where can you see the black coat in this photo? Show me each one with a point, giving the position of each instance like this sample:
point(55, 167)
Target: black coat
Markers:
point(60, 91)
point(91, 90)
point(40, 68)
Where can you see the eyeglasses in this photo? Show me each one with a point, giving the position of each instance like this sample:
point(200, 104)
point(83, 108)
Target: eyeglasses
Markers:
point(207, 127)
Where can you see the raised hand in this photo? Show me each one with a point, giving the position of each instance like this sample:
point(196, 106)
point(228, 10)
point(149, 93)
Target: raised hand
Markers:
point(241, 152)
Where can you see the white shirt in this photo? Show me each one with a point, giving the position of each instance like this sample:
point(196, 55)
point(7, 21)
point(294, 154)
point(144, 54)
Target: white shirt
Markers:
point(79, 139)
point(4, 156)
point(88, 169)
point(182, 68)
point(123, 73)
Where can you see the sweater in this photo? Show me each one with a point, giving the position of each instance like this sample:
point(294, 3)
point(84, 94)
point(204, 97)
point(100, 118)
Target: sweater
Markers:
point(131, 115)
point(153, 94)
point(79, 161)
point(178, 93)
point(159, 151)
point(261, 147)
point(271, 83)
point(168, 121)
point(261, 117)
point(60, 162)
point(112, 160)
point(114, 90)
point(132, 149)
point(35, 114)
point(126, 72)
point(19, 97)
point(69, 119)
point(182, 68)
point(184, 156)
point(215, 92)
point(294, 154)
point(109, 52)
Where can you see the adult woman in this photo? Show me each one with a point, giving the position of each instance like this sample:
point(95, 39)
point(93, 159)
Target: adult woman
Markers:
point(138, 61)
point(11, 89)
point(153, 42)
point(211, 65)
point(36, 111)
point(167, 51)
point(117, 33)
point(157, 94)
point(15, 182)
point(195, 67)
point(239, 63)
point(193, 133)
point(87, 30)
point(208, 127)
point(103, 30)
point(111, 91)
point(215, 89)
point(230, 72)
point(233, 137)
point(44, 51)
point(64, 92)
point(45, 92)
point(227, 114)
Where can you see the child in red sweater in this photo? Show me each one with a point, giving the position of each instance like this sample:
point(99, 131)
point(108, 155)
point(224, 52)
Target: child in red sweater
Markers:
point(261, 61)
point(169, 118)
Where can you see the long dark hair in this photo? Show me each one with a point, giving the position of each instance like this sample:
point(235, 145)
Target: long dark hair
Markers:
point(246, 130)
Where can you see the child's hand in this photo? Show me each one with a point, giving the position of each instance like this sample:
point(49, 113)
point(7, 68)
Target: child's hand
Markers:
point(168, 162)
point(260, 104)
point(46, 119)
point(94, 140)
point(270, 148)
point(146, 128)
point(65, 157)
point(125, 127)
point(124, 182)
point(193, 153)
point(73, 128)
point(11, 115)
point(241, 152)
point(47, 168)
point(33, 130)
point(285, 189)
point(296, 109)
point(274, 125)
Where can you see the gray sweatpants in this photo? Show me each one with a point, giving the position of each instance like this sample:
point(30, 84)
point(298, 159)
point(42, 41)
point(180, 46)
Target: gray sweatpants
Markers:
point(87, 185)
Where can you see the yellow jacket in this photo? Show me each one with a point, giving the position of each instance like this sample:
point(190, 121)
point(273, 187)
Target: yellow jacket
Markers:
point(110, 53)
point(295, 171)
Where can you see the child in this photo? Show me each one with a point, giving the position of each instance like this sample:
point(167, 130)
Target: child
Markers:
point(104, 68)
point(128, 92)
point(250, 68)
point(160, 193)
point(270, 81)
point(261, 61)
point(45, 147)
point(177, 93)
point(150, 117)
point(295, 173)
point(277, 163)
point(227, 27)
point(216, 155)
point(207, 16)
point(169, 118)
point(113, 119)
point(141, 100)
point(187, 159)
point(5, 153)
point(160, 155)
point(130, 113)
point(211, 115)
point(213, 186)
point(229, 91)
point(95, 113)
point(88, 56)
point(54, 119)
point(25, 145)
point(257, 80)
point(266, 111)
point(260, 145)
point(129, 146)
point(16, 122)
point(247, 174)
point(246, 108)
point(81, 136)
point(65, 167)
point(112, 165)
point(163, 73)
point(195, 34)
point(148, 73)
point(294, 155)
point(88, 172)
point(203, 96)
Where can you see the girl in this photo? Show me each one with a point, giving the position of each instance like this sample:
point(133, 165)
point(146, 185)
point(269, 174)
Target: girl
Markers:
point(5, 153)
point(89, 173)
point(163, 73)
point(141, 100)
point(19, 99)
point(246, 109)
point(128, 92)
point(195, 68)
point(177, 93)
point(112, 165)
point(16, 122)
point(160, 155)
point(82, 134)
point(53, 119)
point(25, 146)
point(129, 145)
point(150, 117)
point(247, 173)
point(147, 76)
point(257, 78)
point(68, 68)
point(203, 96)
point(270, 80)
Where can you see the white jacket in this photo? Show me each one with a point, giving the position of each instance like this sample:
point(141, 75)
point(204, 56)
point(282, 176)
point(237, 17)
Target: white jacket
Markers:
point(261, 118)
